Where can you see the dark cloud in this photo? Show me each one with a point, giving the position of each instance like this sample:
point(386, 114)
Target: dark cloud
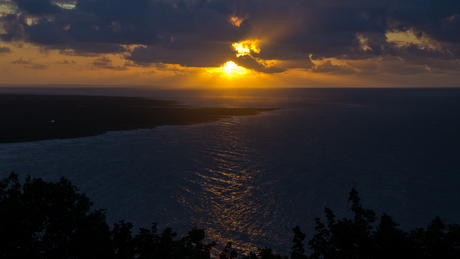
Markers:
point(130, 64)
point(329, 68)
point(396, 65)
point(89, 49)
point(102, 62)
point(66, 62)
point(4, 50)
point(45, 33)
point(37, 7)
point(13, 25)
point(199, 33)
point(438, 19)
point(184, 51)
point(443, 66)
point(390, 65)
point(304, 63)
point(37, 67)
point(106, 63)
point(21, 61)
point(368, 67)
point(73, 2)
point(29, 64)
point(251, 63)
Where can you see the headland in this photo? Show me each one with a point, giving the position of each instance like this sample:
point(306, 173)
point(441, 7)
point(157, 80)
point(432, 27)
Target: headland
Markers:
point(27, 117)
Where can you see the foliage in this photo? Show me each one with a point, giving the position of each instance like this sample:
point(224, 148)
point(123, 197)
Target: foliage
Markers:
point(264, 253)
point(40, 219)
point(362, 237)
point(149, 244)
point(225, 254)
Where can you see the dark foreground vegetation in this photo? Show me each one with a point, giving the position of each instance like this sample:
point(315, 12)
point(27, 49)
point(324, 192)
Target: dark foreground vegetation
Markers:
point(41, 117)
point(40, 219)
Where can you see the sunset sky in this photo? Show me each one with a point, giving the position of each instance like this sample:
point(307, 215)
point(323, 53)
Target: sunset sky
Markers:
point(231, 43)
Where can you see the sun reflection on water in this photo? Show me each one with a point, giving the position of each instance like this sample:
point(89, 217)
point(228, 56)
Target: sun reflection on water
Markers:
point(228, 197)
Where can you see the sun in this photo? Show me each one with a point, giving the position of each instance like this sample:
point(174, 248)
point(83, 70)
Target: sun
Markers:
point(232, 69)
point(229, 69)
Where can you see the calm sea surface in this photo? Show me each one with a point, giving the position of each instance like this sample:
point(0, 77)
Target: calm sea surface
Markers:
point(251, 179)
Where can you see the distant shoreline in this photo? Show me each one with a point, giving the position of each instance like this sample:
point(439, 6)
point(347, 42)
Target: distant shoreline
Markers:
point(29, 117)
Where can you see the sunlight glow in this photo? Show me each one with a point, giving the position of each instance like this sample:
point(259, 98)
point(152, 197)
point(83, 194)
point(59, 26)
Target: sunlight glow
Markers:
point(245, 47)
point(236, 21)
point(229, 69)
point(67, 5)
point(403, 38)
point(363, 42)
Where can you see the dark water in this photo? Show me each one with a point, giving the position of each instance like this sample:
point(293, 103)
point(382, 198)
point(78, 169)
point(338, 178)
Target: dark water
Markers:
point(251, 179)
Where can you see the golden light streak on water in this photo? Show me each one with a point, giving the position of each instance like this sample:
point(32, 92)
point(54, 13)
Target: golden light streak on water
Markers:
point(228, 198)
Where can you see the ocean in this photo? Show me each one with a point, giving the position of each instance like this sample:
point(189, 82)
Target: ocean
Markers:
point(251, 179)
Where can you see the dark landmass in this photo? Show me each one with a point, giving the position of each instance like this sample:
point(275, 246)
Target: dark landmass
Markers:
point(40, 117)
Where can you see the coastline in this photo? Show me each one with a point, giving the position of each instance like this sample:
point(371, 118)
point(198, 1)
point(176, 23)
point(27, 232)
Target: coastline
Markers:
point(29, 117)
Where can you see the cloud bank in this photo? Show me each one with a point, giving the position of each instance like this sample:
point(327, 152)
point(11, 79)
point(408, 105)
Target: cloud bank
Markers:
point(295, 34)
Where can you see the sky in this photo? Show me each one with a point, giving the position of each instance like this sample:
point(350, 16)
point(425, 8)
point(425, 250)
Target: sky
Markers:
point(231, 43)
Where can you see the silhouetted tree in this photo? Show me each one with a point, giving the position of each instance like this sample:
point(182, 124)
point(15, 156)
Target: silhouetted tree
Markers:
point(264, 253)
point(149, 244)
point(360, 237)
point(225, 254)
point(41, 219)
point(122, 240)
point(298, 252)
point(437, 241)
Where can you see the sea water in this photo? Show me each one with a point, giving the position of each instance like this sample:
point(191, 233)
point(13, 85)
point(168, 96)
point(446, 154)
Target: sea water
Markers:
point(251, 179)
